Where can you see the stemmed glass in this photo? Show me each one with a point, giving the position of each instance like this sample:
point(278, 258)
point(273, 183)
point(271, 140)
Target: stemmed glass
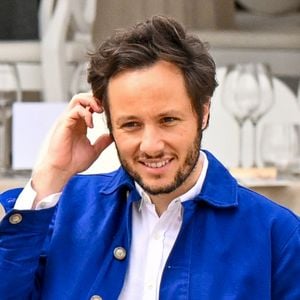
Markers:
point(296, 165)
point(4, 134)
point(298, 92)
point(10, 91)
point(280, 146)
point(79, 82)
point(241, 95)
point(266, 100)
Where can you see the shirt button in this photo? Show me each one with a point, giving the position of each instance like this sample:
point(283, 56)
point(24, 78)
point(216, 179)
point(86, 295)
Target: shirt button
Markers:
point(96, 297)
point(15, 219)
point(119, 253)
point(157, 236)
point(150, 286)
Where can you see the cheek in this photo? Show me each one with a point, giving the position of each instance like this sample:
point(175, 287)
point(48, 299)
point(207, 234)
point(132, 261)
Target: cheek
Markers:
point(118, 142)
point(190, 139)
point(124, 144)
point(188, 134)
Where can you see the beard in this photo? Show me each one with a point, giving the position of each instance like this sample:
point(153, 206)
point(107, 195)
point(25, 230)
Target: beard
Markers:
point(180, 177)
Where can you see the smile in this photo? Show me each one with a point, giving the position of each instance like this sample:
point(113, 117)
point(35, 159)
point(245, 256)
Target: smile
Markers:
point(156, 165)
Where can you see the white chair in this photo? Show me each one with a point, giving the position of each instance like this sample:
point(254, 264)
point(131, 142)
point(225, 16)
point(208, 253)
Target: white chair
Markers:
point(65, 36)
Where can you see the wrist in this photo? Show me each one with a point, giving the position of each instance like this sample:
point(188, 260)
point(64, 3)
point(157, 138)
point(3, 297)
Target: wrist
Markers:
point(48, 181)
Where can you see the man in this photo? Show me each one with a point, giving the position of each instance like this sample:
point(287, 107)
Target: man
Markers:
point(171, 223)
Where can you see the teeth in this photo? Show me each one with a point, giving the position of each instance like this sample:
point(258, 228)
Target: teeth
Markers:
point(157, 164)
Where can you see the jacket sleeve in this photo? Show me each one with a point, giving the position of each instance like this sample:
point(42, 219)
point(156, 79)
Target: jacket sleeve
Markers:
point(22, 239)
point(286, 273)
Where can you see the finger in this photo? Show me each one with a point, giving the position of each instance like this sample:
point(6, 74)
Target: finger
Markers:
point(102, 143)
point(86, 100)
point(81, 113)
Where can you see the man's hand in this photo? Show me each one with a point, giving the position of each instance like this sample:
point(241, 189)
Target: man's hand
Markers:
point(68, 150)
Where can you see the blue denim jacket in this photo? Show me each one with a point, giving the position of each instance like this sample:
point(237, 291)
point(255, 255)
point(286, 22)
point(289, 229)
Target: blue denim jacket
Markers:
point(233, 244)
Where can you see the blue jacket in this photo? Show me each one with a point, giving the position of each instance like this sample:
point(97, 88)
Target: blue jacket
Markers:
point(233, 244)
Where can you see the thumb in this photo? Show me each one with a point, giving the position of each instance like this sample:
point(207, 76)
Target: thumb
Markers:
point(102, 143)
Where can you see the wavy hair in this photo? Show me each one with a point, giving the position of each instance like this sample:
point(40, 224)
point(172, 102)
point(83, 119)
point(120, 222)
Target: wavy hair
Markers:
point(158, 38)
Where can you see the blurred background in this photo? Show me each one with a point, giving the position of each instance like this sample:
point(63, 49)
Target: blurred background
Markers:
point(255, 114)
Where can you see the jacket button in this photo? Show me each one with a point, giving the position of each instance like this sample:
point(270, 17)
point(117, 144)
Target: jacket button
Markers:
point(119, 253)
point(96, 297)
point(15, 219)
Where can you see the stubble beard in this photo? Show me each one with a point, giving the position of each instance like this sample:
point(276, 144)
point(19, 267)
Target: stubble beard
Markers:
point(180, 177)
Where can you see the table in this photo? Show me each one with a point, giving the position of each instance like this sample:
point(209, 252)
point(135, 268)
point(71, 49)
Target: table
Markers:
point(286, 195)
point(12, 182)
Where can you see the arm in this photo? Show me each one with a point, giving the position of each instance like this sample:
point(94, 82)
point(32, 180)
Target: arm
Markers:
point(23, 239)
point(286, 276)
point(69, 151)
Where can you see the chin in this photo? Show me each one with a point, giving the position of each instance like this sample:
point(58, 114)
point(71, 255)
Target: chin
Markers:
point(155, 189)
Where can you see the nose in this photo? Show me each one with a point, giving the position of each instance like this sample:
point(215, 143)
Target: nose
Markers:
point(151, 142)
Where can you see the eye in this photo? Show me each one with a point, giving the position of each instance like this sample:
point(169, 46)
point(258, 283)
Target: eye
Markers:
point(130, 125)
point(169, 120)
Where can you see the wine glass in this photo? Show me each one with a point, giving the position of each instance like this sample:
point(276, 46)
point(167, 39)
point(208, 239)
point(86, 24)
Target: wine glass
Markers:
point(10, 91)
point(79, 82)
point(280, 146)
point(266, 100)
point(298, 92)
point(296, 165)
point(5, 140)
point(240, 95)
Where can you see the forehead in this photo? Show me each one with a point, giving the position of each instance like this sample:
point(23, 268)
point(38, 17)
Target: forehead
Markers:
point(157, 87)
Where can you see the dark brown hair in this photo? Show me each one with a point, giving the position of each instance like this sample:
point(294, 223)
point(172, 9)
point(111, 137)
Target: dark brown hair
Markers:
point(159, 38)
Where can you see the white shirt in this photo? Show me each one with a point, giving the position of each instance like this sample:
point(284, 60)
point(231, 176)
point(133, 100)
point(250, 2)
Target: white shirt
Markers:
point(153, 237)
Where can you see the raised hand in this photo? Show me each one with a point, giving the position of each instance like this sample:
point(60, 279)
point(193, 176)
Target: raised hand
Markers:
point(68, 150)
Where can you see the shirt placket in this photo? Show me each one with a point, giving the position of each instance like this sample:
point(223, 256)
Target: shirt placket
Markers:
point(153, 265)
point(156, 252)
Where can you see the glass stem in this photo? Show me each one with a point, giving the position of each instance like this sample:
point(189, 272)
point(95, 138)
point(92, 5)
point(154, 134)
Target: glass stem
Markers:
point(2, 144)
point(240, 154)
point(254, 163)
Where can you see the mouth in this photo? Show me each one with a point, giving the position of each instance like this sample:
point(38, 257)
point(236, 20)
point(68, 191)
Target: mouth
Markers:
point(156, 164)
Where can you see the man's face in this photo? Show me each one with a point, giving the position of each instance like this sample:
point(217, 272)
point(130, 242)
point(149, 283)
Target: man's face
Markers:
point(155, 128)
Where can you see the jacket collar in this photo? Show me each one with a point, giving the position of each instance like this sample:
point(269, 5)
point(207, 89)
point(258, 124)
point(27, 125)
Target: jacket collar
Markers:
point(120, 179)
point(219, 187)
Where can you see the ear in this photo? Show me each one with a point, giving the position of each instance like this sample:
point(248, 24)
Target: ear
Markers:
point(206, 113)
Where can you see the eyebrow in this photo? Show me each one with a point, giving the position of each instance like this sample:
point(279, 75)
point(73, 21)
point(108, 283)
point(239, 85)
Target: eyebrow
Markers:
point(123, 119)
point(170, 112)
